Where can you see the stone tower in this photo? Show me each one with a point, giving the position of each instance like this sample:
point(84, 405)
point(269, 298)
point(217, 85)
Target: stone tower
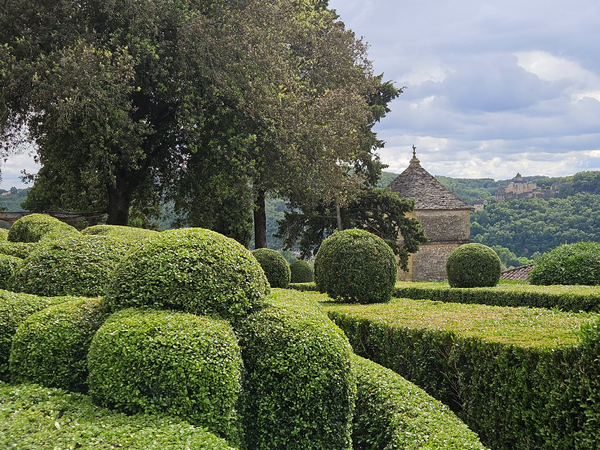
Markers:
point(444, 216)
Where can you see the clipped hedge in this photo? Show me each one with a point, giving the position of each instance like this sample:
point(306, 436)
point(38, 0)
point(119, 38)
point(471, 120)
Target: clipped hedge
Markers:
point(356, 266)
point(277, 269)
point(521, 378)
point(80, 265)
point(392, 413)
point(50, 347)
point(14, 309)
point(18, 249)
point(8, 266)
point(569, 264)
point(118, 231)
point(473, 265)
point(565, 298)
point(168, 362)
point(192, 270)
point(301, 272)
point(34, 417)
point(3, 234)
point(33, 227)
point(298, 389)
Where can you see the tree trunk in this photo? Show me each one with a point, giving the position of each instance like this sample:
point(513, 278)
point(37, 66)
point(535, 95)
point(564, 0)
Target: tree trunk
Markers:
point(119, 200)
point(260, 220)
point(338, 215)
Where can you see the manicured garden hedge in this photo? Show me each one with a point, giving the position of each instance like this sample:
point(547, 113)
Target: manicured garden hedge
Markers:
point(298, 389)
point(565, 298)
point(19, 249)
point(568, 264)
point(50, 347)
point(118, 231)
point(168, 362)
point(14, 309)
point(33, 227)
point(522, 378)
point(392, 413)
point(8, 266)
point(192, 270)
point(34, 417)
point(301, 272)
point(76, 265)
point(473, 265)
point(275, 266)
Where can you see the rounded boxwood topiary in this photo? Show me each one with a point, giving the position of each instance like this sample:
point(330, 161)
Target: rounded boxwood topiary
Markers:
point(301, 272)
point(18, 249)
point(355, 265)
point(150, 361)
point(275, 266)
point(119, 231)
point(8, 266)
point(80, 265)
point(14, 309)
point(3, 234)
point(569, 264)
point(50, 347)
point(298, 389)
point(33, 227)
point(192, 270)
point(473, 265)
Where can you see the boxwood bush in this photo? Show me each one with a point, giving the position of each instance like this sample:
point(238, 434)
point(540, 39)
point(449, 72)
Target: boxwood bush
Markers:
point(192, 270)
point(119, 232)
point(80, 265)
point(14, 309)
point(392, 413)
point(473, 265)
point(19, 249)
point(34, 417)
point(357, 266)
point(33, 227)
point(3, 234)
point(275, 266)
point(298, 389)
point(301, 272)
point(50, 347)
point(8, 266)
point(568, 264)
point(168, 362)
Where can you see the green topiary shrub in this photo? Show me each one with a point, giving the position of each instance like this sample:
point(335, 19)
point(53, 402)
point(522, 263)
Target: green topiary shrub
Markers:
point(18, 249)
point(192, 270)
point(14, 309)
point(275, 266)
point(568, 264)
point(50, 347)
point(355, 265)
point(79, 265)
point(33, 227)
point(298, 389)
point(119, 231)
point(168, 362)
point(301, 272)
point(3, 234)
point(392, 413)
point(8, 266)
point(473, 265)
point(35, 417)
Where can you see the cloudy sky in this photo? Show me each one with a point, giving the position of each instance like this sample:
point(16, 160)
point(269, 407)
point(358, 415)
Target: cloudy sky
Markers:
point(492, 88)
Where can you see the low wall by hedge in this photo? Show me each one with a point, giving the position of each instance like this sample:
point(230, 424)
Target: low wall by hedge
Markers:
point(522, 378)
point(42, 418)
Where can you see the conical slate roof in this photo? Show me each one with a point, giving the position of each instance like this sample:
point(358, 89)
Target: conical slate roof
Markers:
point(428, 193)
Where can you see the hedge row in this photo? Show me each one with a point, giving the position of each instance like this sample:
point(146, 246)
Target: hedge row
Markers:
point(34, 417)
point(522, 378)
point(392, 413)
point(565, 298)
point(18, 249)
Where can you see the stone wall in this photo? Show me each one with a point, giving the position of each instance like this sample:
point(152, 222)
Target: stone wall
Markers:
point(429, 263)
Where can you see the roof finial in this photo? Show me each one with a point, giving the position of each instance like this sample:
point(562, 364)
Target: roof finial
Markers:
point(414, 151)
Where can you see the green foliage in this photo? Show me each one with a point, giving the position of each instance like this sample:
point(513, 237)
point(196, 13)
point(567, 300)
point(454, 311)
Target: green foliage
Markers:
point(8, 266)
point(569, 264)
point(520, 378)
point(275, 266)
point(471, 189)
point(41, 418)
point(392, 413)
point(301, 272)
point(298, 389)
point(50, 347)
point(3, 234)
point(18, 249)
point(355, 265)
point(192, 270)
point(80, 265)
point(564, 298)
point(33, 227)
point(473, 265)
point(12, 200)
point(14, 309)
point(168, 362)
point(118, 231)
